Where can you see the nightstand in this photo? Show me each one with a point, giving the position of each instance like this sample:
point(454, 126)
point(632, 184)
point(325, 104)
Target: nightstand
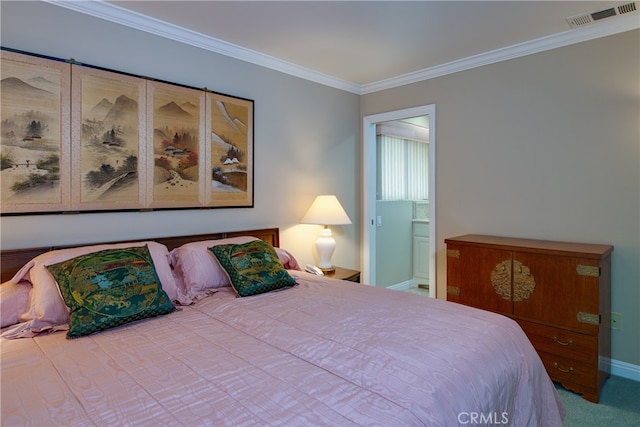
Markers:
point(344, 274)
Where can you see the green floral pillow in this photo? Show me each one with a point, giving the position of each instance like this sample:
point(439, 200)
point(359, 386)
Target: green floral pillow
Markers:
point(253, 267)
point(110, 288)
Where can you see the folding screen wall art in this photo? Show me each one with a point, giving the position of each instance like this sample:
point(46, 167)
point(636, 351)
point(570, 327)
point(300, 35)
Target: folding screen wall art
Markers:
point(77, 138)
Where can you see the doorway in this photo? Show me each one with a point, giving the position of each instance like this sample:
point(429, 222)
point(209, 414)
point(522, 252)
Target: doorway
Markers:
point(370, 219)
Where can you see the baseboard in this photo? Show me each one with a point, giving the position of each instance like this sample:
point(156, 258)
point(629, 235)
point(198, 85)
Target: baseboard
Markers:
point(402, 286)
point(625, 370)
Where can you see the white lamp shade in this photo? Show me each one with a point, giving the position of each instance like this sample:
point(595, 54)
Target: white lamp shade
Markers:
point(326, 210)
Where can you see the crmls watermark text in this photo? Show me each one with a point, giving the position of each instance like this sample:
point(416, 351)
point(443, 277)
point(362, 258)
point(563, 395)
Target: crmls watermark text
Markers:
point(483, 418)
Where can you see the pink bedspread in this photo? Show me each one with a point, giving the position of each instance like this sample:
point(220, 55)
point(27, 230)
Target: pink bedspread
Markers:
point(326, 352)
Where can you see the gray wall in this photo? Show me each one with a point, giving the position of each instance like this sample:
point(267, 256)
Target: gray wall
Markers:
point(306, 136)
point(545, 146)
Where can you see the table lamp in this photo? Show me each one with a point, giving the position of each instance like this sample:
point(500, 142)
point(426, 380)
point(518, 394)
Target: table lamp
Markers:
point(326, 210)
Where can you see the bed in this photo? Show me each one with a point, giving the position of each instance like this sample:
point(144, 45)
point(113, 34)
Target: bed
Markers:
point(320, 351)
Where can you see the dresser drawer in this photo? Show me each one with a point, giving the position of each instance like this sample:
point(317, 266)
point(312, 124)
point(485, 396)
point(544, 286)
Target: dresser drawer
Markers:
point(564, 370)
point(570, 345)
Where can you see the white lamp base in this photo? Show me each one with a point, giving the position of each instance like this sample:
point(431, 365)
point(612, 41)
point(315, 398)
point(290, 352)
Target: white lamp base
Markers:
point(325, 245)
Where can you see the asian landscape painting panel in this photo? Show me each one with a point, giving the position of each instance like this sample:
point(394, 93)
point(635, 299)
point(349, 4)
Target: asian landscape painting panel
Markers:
point(175, 115)
point(108, 144)
point(231, 151)
point(34, 135)
point(79, 138)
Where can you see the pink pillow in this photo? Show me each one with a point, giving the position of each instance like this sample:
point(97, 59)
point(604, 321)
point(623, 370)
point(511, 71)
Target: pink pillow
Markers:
point(197, 269)
point(287, 259)
point(14, 302)
point(47, 310)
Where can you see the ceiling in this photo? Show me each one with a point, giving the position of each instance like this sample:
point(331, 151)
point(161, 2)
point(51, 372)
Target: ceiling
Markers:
point(364, 46)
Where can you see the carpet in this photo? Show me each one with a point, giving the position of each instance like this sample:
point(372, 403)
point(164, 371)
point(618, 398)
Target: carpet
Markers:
point(619, 405)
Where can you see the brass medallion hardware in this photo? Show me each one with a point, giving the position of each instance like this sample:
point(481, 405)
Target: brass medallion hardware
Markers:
point(501, 279)
point(565, 343)
point(590, 318)
point(588, 270)
point(453, 290)
point(523, 281)
point(453, 253)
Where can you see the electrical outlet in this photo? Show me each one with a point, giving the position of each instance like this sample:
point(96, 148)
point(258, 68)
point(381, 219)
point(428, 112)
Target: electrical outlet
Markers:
point(616, 321)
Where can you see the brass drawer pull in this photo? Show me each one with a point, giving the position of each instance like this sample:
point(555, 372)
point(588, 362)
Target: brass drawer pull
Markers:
point(557, 341)
point(566, 371)
point(453, 290)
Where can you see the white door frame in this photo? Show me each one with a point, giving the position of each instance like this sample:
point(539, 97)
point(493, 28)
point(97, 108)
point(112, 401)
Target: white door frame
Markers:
point(369, 189)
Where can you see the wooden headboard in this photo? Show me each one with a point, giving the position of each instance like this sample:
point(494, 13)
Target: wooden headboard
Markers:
point(13, 259)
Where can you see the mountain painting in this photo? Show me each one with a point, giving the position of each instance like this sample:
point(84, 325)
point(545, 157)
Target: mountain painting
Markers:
point(231, 151)
point(79, 138)
point(109, 138)
point(32, 138)
point(176, 145)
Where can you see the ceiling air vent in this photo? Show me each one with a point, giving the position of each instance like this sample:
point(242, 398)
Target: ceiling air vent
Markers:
point(592, 17)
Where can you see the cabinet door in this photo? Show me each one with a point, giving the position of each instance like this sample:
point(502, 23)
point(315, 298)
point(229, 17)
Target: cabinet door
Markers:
point(471, 274)
point(565, 292)
point(421, 258)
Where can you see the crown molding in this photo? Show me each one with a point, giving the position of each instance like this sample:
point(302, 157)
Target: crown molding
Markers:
point(116, 14)
point(569, 37)
point(122, 16)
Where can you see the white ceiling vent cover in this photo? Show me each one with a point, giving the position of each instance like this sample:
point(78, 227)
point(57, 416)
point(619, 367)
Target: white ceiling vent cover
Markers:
point(582, 19)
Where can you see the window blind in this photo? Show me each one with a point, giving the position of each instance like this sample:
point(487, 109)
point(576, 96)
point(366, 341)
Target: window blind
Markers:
point(403, 168)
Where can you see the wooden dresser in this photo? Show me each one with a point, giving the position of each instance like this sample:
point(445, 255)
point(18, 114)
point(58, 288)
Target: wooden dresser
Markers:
point(559, 293)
